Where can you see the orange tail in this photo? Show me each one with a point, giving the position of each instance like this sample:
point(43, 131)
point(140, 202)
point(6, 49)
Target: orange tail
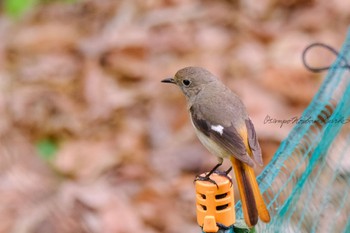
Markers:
point(252, 202)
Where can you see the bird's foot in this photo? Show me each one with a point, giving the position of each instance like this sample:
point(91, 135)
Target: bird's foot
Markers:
point(206, 177)
point(224, 174)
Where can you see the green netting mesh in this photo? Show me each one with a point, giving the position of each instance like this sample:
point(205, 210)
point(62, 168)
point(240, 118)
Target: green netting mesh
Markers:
point(307, 183)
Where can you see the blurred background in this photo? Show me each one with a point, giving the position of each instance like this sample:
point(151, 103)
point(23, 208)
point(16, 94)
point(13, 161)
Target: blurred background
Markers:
point(91, 141)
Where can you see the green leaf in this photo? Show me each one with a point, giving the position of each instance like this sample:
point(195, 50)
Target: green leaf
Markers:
point(47, 148)
point(16, 8)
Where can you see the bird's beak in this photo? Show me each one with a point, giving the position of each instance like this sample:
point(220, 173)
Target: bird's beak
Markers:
point(168, 80)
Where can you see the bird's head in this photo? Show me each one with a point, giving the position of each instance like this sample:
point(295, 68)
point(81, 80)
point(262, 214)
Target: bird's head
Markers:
point(191, 80)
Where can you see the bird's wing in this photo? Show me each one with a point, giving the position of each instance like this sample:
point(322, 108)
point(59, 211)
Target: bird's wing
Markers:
point(253, 142)
point(225, 136)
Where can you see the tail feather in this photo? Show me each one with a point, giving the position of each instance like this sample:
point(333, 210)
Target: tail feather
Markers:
point(246, 192)
point(263, 213)
point(252, 202)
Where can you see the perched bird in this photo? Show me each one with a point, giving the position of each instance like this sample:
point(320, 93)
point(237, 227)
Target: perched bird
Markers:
point(223, 126)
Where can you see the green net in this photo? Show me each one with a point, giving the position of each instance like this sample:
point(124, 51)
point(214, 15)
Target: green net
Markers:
point(307, 183)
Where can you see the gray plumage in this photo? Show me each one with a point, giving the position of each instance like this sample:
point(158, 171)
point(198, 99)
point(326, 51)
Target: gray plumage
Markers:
point(218, 115)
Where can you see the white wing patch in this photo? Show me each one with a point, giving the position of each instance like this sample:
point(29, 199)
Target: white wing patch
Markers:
point(218, 128)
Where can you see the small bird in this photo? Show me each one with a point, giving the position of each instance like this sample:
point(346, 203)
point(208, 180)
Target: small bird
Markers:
point(223, 126)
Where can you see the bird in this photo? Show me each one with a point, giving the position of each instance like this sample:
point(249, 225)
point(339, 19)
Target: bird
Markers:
point(223, 126)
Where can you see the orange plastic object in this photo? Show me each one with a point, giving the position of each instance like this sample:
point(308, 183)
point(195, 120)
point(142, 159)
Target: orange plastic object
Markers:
point(215, 204)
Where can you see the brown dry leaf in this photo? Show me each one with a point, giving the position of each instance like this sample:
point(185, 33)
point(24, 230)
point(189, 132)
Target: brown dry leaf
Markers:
point(128, 220)
point(248, 60)
point(85, 159)
point(153, 200)
point(25, 182)
point(131, 140)
point(49, 36)
point(297, 86)
point(102, 94)
point(5, 121)
point(50, 68)
point(126, 67)
point(45, 110)
point(110, 209)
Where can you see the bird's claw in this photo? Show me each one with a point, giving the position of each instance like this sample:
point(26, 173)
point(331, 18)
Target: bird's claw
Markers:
point(206, 178)
point(220, 173)
point(224, 174)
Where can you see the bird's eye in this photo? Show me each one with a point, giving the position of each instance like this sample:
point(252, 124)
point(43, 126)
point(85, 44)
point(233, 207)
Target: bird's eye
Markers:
point(186, 82)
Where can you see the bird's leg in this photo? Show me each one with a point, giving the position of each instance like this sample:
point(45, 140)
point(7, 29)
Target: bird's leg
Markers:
point(225, 174)
point(214, 170)
point(207, 176)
